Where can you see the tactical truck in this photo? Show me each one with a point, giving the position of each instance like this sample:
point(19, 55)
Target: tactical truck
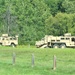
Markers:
point(56, 41)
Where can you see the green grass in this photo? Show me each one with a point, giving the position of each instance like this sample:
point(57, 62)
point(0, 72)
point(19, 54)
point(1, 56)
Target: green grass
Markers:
point(43, 61)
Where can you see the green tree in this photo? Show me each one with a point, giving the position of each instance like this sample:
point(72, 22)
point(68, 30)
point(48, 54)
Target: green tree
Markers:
point(69, 6)
point(60, 24)
point(53, 5)
point(31, 18)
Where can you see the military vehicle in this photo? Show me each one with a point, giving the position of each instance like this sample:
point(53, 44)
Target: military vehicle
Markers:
point(6, 40)
point(56, 41)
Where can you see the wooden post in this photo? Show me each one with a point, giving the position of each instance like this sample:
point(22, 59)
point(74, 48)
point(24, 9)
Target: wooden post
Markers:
point(33, 58)
point(29, 45)
point(54, 62)
point(13, 58)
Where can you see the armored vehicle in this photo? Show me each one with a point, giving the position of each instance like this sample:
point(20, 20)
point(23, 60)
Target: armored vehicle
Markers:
point(56, 41)
point(6, 40)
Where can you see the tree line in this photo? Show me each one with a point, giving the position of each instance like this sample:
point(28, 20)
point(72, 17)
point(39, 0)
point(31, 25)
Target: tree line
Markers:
point(33, 19)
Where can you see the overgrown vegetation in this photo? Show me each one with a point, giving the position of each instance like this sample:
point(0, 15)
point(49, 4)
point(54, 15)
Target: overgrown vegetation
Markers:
point(32, 19)
point(43, 61)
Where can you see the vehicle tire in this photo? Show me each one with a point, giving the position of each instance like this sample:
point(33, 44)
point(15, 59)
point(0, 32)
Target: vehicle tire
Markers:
point(62, 46)
point(13, 45)
point(55, 46)
point(0, 44)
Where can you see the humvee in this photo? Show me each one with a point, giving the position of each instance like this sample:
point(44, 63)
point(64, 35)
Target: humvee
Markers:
point(6, 40)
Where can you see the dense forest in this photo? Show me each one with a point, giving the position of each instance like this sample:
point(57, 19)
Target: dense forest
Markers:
point(33, 19)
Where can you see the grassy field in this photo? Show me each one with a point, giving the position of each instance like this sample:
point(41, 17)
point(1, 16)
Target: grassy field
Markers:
point(43, 61)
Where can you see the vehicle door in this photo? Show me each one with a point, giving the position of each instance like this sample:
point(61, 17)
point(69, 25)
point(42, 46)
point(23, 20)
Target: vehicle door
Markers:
point(5, 41)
